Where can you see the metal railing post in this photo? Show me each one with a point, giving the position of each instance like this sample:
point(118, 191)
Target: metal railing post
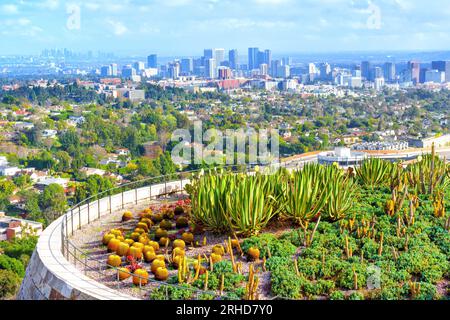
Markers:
point(79, 217)
point(62, 235)
point(89, 212)
point(136, 195)
point(71, 223)
point(110, 205)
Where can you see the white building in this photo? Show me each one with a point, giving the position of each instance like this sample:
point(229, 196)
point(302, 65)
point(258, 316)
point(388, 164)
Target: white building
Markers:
point(8, 171)
point(435, 76)
point(3, 161)
point(344, 157)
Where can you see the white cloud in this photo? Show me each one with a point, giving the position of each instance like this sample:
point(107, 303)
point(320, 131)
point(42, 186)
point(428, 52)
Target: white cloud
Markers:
point(234, 23)
point(50, 4)
point(92, 6)
point(118, 27)
point(9, 9)
point(271, 2)
point(175, 3)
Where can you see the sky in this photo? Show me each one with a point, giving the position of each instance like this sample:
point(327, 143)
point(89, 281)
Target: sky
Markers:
point(185, 27)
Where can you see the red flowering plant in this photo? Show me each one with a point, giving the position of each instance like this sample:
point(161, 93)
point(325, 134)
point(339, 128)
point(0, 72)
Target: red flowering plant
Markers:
point(133, 264)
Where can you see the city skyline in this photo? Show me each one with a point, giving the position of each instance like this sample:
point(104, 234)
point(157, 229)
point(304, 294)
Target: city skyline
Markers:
point(182, 27)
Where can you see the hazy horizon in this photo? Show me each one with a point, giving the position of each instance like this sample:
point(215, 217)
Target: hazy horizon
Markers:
point(183, 27)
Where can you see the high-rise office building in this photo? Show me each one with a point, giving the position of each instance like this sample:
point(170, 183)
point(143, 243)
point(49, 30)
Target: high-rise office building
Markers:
point(376, 73)
point(139, 66)
point(114, 71)
point(268, 57)
point(128, 71)
point(233, 57)
point(365, 70)
point(435, 76)
point(287, 61)
point(210, 68)
point(208, 54)
point(443, 66)
point(264, 69)
point(253, 58)
point(325, 71)
point(187, 66)
point(261, 58)
point(389, 71)
point(152, 61)
point(284, 71)
point(219, 56)
point(275, 68)
point(224, 73)
point(414, 71)
point(174, 70)
point(105, 71)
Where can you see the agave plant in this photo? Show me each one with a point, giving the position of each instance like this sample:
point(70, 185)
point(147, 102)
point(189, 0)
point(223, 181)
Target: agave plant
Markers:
point(208, 197)
point(305, 195)
point(373, 172)
point(340, 190)
point(250, 206)
point(428, 173)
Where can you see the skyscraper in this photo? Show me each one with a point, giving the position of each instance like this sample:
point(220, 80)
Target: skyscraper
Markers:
point(267, 57)
point(224, 73)
point(210, 68)
point(139, 66)
point(187, 66)
point(208, 54)
point(128, 71)
point(442, 66)
point(105, 71)
point(414, 71)
point(365, 70)
point(263, 69)
point(275, 68)
point(114, 72)
point(287, 61)
point(253, 58)
point(389, 71)
point(174, 70)
point(152, 61)
point(376, 73)
point(233, 57)
point(219, 56)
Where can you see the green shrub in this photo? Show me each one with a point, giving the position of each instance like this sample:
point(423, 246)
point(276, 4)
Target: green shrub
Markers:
point(12, 264)
point(285, 284)
point(337, 295)
point(277, 247)
point(279, 262)
point(9, 283)
point(172, 293)
point(356, 296)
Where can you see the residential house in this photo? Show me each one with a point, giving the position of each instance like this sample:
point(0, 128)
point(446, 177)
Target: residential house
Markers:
point(11, 227)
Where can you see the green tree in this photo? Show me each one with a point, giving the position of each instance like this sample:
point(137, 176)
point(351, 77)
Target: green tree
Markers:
point(53, 202)
point(9, 284)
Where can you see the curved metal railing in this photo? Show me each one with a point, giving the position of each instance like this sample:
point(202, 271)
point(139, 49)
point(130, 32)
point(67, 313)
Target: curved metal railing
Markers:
point(93, 208)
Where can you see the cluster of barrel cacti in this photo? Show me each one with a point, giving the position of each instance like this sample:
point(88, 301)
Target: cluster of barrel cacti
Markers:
point(138, 244)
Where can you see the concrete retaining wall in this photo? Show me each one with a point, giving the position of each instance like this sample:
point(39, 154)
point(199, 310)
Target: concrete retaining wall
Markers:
point(49, 276)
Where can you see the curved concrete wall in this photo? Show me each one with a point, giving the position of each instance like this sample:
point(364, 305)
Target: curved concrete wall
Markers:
point(50, 275)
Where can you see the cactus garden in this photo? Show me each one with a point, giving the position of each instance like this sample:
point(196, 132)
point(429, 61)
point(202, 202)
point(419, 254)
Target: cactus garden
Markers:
point(376, 232)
